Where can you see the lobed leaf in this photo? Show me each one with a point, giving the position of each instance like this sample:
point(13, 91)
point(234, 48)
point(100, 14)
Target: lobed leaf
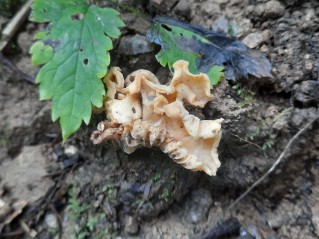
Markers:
point(41, 53)
point(215, 74)
point(75, 53)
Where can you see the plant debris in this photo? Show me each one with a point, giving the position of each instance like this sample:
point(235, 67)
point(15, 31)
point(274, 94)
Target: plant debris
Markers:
point(204, 49)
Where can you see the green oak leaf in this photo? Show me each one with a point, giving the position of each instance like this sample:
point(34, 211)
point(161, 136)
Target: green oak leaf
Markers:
point(74, 50)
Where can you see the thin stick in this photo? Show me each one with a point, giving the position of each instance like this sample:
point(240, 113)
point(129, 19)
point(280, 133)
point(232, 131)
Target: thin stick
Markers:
point(14, 24)
point(247, 141)
point(26, 229)
point(12, 234)
point(274, 166)
point(5, 61)
point(56, 214)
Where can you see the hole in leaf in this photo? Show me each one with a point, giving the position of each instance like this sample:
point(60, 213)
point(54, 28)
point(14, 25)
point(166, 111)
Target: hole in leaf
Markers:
point(78, 16)
point(81, 49)
point(44, 10)
point(167, 28)
point(53, 43)
point(85, 61)
point(181, 34)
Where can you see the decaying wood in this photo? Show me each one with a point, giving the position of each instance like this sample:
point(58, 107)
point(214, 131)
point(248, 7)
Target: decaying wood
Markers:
point(14, 24)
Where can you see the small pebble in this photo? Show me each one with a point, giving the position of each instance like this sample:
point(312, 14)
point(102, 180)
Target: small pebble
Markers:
point(131, 226)
point(253, 39)
point(134, 45)
point(51, 220)
point(70, 150)
point(198, 206)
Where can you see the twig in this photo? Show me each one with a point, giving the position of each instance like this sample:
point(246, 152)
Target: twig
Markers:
point(278, 161)
point(8, 32)
point(15, 69)
point(12, 234)
point(56, 214)
point(130, 9)
point(248, 141)
point(26, 229)
point(18, 210)
point(14, 24)
point(229, 227)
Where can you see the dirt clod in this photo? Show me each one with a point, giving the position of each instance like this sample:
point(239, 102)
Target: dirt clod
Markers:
point(253, 39)
point(133, 45)
point(270, 9)
point(199, 204)
point(25, 175)
point(131, 226)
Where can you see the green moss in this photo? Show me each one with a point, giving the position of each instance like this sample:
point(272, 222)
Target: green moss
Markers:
point(4, 136)
point(156, 177)
point(89, 222)
point(246, 96)
point(166, 195)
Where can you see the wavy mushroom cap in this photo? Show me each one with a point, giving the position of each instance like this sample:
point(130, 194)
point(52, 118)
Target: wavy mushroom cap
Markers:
point(145, 113)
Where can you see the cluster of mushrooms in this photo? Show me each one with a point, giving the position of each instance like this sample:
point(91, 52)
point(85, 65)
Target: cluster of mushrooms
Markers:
point(141, 112)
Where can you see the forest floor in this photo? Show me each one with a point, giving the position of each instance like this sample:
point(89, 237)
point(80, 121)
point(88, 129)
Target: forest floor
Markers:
point(79, 190)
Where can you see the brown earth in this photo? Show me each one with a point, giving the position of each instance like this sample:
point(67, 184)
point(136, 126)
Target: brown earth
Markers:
point(79, 190)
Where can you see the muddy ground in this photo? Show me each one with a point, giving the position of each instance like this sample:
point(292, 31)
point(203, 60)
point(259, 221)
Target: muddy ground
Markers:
point(79, 190)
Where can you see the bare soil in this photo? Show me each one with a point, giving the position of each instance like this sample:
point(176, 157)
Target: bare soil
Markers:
point(79, 190)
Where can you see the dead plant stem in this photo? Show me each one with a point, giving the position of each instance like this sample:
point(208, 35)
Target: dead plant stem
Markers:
point(274, 166)
point(252, 143)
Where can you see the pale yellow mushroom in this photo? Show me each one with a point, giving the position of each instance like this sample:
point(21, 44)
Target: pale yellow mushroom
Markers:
point(195, 89)
point(114, 82)
point(145, 113)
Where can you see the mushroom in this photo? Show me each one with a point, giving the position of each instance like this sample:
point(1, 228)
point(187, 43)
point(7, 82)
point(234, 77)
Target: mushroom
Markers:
point(145, 113)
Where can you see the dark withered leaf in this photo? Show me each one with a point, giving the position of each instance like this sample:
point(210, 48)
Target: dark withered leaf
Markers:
point(204, 49)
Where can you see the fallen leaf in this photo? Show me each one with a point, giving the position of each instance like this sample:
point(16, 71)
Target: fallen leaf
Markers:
point(204, 49)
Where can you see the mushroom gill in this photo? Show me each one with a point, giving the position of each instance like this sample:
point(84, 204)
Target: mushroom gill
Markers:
point(145, 113)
